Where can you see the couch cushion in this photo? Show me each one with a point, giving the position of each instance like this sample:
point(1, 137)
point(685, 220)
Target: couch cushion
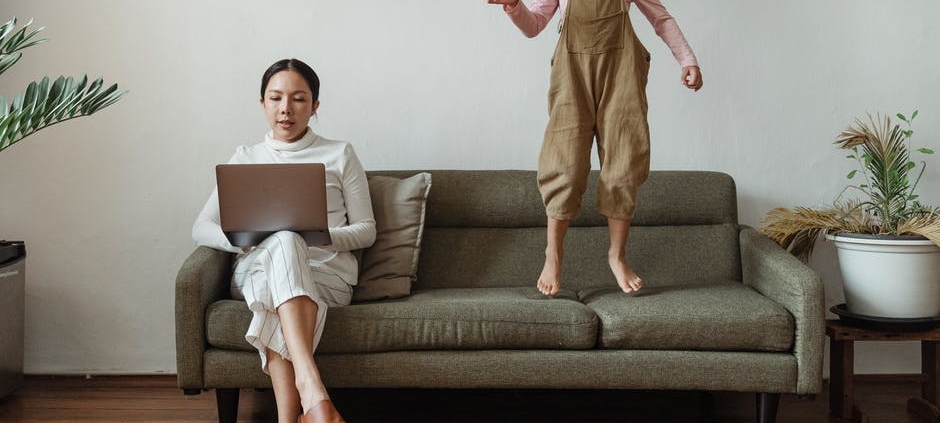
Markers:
point(482, 198)
point(468, 318)
point(511, 199)
point(492, 318)
point(685, 231)
point(226, 324)
point(724, 316)
point(662, 255)
point(389, 266)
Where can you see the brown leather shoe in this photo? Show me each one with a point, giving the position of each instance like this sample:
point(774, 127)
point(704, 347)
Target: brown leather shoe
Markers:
point(322, 412)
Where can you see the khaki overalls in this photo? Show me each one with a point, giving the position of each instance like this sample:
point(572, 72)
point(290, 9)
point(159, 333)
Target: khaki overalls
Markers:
point(598, 88)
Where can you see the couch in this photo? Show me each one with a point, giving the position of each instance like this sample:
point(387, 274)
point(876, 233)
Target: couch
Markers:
point(723, 307)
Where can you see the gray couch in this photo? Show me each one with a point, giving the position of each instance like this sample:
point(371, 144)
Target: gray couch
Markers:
point(723, 308)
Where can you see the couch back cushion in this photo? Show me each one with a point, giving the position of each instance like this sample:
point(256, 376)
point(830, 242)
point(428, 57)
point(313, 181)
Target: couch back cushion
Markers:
point(486, 228)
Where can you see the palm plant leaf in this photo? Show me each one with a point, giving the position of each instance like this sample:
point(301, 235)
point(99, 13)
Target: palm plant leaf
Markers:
point(925, 225)
point(8, 60)
point(11, 42)
point(798, 230)
point(44, 104)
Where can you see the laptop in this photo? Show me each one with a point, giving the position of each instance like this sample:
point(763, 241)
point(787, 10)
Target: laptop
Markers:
point(257, 200)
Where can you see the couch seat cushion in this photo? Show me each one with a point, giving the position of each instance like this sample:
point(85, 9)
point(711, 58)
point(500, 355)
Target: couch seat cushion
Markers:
point(462, 318)
point(226, 324)
point(458, 318)
point(723, 316)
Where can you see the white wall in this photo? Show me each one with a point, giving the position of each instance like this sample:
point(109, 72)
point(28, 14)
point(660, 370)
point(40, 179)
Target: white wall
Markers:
point(106, 203)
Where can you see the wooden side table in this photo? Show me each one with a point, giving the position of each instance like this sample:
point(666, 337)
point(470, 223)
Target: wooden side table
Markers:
point(842, 368)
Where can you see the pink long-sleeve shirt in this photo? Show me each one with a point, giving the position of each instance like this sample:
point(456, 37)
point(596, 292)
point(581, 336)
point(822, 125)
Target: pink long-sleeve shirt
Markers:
point(533, 19)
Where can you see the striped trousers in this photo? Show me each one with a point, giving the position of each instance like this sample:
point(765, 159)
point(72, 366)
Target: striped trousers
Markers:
point(274, 272)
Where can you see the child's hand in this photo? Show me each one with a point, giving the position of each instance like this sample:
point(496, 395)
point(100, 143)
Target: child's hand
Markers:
point(691, 76)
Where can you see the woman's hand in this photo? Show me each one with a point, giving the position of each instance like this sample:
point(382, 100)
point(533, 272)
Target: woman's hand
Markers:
point(691, 77)
point(509, 4)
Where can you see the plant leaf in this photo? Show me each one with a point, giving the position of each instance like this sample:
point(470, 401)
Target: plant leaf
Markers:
point(44, 104)
point(11, 42)
point(6, 28)
point(8, 60)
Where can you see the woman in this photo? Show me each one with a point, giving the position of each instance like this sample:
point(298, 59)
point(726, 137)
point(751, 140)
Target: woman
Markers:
point(597, 89)
point(287, 285)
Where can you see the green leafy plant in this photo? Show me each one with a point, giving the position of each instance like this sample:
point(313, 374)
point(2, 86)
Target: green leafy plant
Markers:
point(44, 103)
point(887, 203)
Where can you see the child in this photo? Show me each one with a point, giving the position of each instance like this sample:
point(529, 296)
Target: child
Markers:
point(597, 89)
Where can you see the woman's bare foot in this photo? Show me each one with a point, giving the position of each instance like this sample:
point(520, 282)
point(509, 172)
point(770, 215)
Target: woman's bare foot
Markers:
point(550, 279)
point(626, 277)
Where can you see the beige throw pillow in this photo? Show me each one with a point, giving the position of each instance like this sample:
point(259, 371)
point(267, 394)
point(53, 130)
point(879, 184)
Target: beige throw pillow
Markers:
point(389, 267)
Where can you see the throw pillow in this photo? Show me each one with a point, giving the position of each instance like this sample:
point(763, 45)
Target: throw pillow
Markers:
point(388, 268)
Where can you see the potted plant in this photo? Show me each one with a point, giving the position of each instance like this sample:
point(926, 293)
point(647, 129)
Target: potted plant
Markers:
point(43, 104)
point(888, 243)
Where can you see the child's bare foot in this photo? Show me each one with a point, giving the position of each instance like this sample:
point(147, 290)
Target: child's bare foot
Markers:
point(626, 277)
point(550, 279)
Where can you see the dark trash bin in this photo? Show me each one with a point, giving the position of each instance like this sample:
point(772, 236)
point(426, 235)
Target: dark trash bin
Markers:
point(12, 304)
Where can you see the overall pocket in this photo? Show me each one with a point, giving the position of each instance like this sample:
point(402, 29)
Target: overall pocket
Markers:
point(595, 26)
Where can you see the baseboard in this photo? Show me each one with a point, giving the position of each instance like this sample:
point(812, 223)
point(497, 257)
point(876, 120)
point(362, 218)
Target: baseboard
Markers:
point(99, 374)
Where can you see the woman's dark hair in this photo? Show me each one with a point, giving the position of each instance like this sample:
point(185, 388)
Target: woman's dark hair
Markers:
point(297, 66)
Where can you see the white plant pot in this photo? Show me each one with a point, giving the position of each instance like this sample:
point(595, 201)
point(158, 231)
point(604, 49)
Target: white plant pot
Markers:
point(889, 277)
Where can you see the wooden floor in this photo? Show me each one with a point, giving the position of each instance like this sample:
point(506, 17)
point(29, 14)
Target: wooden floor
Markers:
point(156, 399)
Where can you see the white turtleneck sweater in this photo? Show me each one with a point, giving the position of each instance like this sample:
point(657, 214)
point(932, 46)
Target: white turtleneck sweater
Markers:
point(349, 207)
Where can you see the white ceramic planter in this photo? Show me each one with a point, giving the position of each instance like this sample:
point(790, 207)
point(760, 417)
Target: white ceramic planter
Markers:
point(893, 277)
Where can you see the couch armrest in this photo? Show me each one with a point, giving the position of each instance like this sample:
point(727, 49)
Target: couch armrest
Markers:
point(780, 276)
point(204, 278)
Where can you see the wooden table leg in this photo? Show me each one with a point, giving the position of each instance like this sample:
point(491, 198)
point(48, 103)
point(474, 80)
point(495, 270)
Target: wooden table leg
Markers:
point(928, 358)
point(841, 372)
point(926, 406)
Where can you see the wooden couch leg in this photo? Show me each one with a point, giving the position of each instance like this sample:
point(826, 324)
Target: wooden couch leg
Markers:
point(227, 403)
point(767, 407)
